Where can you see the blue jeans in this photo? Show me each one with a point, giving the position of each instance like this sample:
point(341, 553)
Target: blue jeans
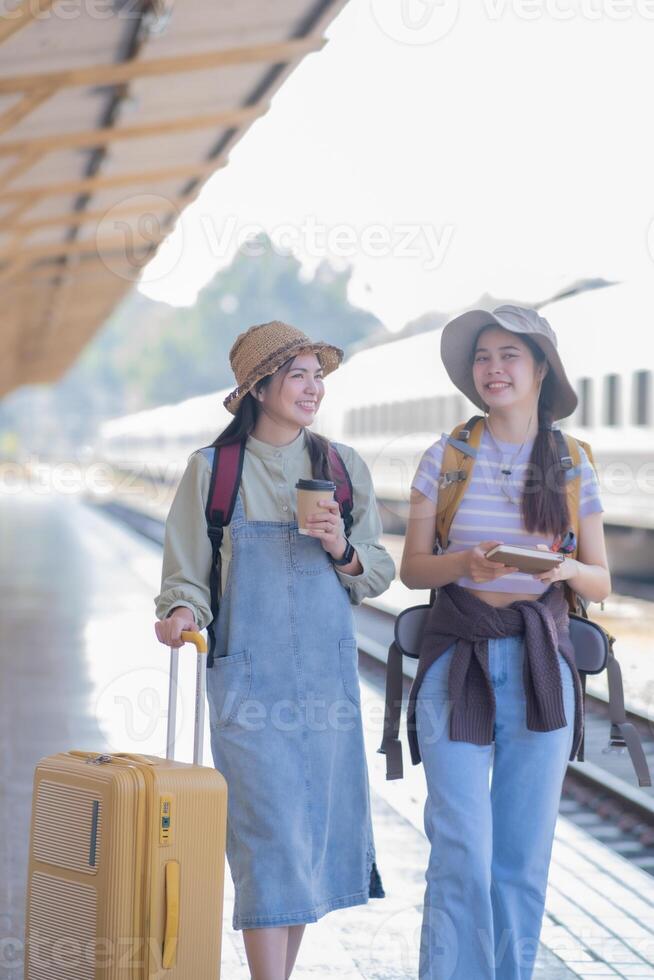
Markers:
point(491, 839)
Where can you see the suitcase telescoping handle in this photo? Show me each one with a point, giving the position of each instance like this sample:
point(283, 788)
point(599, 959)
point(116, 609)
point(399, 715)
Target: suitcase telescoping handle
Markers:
point(200, 683)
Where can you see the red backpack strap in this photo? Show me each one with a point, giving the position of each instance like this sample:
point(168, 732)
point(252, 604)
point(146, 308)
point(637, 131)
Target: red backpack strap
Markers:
point(226, 471)
point(344, 494)
point(223, 487)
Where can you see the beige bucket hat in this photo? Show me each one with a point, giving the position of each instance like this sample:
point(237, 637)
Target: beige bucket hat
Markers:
point(263, 348)
point(459, 335)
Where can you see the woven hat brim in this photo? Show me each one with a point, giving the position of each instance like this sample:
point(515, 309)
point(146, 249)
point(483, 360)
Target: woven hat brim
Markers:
point(330, 358)
point(456, 344)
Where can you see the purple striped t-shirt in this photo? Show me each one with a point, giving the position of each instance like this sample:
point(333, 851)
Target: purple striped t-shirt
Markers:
point(486, 514)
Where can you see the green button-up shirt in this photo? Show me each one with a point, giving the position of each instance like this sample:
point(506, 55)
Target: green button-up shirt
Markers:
point(268, 493)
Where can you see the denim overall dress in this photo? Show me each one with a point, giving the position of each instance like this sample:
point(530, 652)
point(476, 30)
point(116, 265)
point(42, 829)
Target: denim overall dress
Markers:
point(286, 731)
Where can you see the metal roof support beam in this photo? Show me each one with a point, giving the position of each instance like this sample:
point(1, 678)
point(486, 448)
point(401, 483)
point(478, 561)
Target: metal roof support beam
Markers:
point(84, 217)
point(117, 74)
point(76, 247)
point(35, 193)
point(109, 134)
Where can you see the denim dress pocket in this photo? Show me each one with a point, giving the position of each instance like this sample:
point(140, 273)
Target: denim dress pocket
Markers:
point(308, 557)
point(228, 685)
point(349, 658)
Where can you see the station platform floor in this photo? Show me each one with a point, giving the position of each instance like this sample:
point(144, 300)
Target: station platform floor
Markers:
point(82, 668)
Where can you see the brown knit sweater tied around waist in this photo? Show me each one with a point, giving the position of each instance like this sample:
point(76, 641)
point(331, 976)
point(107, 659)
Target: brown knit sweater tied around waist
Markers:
point(458, 616)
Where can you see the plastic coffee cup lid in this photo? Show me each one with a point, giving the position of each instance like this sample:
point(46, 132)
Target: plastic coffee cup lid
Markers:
point(315, 485)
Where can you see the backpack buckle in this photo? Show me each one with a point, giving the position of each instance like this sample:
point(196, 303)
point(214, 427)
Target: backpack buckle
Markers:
point(452, 476)
point(566, 462)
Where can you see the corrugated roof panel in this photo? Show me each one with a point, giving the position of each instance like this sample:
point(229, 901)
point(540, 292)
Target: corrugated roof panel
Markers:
point(183, 89)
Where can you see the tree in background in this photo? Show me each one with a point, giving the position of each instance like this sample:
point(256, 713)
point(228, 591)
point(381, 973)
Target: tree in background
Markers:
point(150, 353)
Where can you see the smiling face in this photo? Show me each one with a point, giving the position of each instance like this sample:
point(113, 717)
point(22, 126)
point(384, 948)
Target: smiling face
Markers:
point(505, 361)
point(294, 392)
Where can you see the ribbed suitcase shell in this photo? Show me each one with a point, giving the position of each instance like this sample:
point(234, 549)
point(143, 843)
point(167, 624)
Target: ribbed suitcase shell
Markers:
point(99, 846)
point(96, 897)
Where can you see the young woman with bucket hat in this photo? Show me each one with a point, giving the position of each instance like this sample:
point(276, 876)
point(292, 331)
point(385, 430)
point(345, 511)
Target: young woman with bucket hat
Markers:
point(282, 685)
point(497, 690)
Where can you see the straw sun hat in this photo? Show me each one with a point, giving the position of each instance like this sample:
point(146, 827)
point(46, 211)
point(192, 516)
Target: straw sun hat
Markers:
point(263, 348)
point(459, 335)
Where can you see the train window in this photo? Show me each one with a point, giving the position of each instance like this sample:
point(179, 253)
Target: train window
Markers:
point(393, 418)
point(585, 401)
point(642, 398)
point(404, 416)
point(611, 401)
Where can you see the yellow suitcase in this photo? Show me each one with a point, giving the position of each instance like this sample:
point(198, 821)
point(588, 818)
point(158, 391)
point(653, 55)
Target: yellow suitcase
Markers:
point(127, 860)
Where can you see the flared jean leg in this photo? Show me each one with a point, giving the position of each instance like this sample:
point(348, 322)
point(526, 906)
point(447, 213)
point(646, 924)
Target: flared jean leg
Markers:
point(456, 941)
point(528, 772)
point(490, 818)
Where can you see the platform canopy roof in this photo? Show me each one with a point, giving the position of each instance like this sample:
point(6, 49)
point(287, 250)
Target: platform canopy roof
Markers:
point(113, 114)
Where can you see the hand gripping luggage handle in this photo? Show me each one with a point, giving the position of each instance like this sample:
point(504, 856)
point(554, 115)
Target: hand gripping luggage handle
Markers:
point(188, 636)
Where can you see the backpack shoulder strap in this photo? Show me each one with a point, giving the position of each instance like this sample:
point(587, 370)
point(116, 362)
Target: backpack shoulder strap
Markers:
point(226, 471)
point(344, 493)
point(225, 480)
point(570, 460)
point(458, 460)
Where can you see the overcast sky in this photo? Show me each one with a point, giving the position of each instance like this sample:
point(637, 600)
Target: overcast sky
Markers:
point(444, 151)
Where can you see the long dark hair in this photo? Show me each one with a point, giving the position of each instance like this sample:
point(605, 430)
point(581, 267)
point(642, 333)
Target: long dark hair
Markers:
point(544, 501)
point(245, 419)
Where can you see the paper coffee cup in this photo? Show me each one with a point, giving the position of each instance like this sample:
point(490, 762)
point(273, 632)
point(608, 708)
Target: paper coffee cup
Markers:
point(309, 492)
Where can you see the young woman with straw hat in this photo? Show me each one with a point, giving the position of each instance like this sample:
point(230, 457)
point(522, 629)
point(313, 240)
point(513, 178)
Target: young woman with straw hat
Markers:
point(496, 681)
point(282, 687)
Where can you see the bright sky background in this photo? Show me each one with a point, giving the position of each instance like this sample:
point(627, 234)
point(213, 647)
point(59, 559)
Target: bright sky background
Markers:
point(512, 141)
